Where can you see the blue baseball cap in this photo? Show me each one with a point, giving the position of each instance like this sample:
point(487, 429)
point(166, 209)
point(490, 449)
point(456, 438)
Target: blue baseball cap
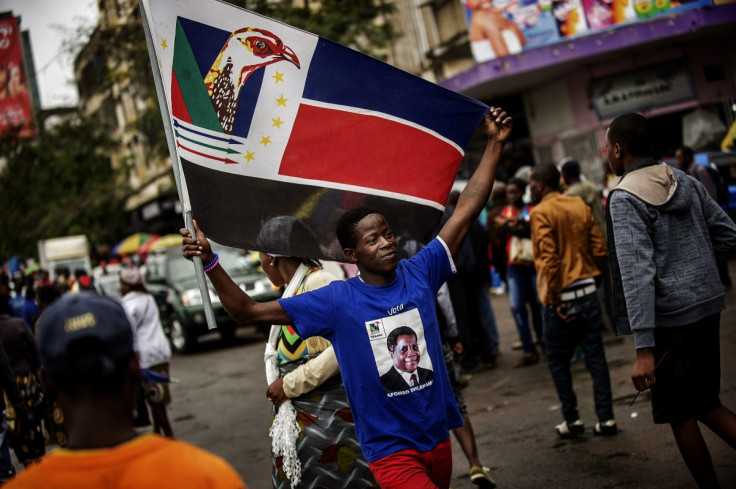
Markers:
point(82, 316)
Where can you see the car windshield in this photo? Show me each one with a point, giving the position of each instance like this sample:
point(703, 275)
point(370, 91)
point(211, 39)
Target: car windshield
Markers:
point(234, 261)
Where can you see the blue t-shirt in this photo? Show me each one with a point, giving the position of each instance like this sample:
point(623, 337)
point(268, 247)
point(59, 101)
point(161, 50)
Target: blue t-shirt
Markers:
point(390, 415)
point(29, 312)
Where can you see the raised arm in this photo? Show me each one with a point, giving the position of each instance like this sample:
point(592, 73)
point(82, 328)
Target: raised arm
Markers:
point(476, 193)
point(241, 307)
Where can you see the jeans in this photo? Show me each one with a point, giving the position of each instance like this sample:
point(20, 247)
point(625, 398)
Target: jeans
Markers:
point(561, 338)
point(487, 315)
point(6, 464)
point(522, 284)
point(475, 338)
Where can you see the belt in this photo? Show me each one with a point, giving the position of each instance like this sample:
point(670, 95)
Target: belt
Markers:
point(577, 293)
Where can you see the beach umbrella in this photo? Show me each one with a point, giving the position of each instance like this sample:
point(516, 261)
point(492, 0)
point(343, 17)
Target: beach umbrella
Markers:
point(130, 245)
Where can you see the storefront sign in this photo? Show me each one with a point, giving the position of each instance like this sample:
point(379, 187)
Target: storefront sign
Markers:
point(639, 90)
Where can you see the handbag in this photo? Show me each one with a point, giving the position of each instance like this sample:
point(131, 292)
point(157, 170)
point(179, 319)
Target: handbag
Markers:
point(520, 251)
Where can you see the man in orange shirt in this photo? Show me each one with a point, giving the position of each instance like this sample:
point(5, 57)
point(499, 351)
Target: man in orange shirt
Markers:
point(89, 365)
point(568, 254)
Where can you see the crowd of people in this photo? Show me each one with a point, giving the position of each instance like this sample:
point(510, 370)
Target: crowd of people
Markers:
point(30, 409)
point(376, 361)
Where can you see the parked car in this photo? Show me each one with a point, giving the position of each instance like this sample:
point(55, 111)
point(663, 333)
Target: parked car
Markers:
point(172, 281)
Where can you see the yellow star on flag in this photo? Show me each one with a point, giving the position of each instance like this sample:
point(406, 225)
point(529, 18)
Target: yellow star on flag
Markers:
point(163, 44)
point(277, 122)
point(279, 77)
point(265, 141)
point(249, 156)
point(281, 101)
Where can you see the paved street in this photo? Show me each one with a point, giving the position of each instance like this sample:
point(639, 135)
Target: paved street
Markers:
point(220, 405)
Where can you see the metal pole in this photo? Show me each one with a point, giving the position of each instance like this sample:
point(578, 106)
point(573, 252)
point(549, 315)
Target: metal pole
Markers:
point(180, 181)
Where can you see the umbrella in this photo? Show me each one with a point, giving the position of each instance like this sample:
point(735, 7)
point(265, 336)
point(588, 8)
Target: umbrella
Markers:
point(165, 241)
point(146, 247)
point(130, 245)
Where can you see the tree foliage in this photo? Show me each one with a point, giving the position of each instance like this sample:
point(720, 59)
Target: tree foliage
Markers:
point(128, 62)
point(62, 183)
point(59, 184)
point(359, 24)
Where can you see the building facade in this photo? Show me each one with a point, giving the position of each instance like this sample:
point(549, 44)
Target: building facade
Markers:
point(678, 68)
point(112, 87)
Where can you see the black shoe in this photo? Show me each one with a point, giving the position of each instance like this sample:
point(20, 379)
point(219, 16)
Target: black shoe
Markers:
point(526, 360)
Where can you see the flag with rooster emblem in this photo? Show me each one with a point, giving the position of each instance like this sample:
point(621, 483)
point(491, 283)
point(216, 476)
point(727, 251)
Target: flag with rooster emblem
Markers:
point(269, 120)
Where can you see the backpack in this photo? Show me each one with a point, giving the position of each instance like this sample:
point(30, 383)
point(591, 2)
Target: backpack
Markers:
point(721, 187)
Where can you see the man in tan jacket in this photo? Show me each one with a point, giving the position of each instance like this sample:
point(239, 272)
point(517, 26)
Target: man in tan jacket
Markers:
point(568, 248)
point(591, 195)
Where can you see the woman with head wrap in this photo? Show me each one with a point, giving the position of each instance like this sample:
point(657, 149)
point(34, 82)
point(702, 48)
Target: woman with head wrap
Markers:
point(313, 437)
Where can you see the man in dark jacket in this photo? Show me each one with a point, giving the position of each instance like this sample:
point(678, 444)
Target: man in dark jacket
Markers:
point(663, 232)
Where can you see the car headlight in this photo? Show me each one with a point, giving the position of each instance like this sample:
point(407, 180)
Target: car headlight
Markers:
point(260, 286)
point(193, 297)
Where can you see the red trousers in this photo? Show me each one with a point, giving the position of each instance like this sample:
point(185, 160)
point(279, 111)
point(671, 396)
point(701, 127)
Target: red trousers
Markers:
point(410, 469)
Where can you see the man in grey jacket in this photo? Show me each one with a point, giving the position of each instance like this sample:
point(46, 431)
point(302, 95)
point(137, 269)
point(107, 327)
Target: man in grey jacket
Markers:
point(663, 230)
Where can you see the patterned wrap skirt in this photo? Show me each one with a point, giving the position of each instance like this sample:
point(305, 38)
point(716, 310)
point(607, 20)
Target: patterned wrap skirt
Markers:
point(33, 446)
point(328, 448)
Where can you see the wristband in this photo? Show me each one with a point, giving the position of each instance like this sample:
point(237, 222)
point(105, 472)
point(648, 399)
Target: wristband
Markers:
point(211, 265)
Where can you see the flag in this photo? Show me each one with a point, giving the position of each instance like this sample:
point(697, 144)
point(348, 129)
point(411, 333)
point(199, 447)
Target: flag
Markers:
point(269, 120)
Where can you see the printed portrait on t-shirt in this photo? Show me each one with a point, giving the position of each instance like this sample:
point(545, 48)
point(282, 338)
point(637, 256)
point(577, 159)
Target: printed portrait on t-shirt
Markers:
point(400, 351)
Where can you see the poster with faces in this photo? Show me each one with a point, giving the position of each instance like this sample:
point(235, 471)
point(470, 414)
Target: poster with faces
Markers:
point(400, 350)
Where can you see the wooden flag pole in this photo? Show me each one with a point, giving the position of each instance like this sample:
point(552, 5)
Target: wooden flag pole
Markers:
point(186, 206)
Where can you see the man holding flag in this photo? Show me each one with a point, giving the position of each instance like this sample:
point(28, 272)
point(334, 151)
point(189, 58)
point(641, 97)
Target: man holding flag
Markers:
point(404, 434)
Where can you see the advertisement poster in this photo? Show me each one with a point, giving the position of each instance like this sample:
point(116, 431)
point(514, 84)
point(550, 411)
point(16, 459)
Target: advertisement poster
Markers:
point(499, 28)
point(15, 99)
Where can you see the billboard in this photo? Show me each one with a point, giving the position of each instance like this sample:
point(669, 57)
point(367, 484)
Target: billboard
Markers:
point(15, 98)
point(500, 28)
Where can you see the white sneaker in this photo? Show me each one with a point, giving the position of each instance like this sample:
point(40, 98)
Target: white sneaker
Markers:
point(608, 428)
point(481, 477)
point(572, 430)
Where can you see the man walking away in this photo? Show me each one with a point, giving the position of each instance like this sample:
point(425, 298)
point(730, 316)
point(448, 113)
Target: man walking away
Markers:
point(664, 231)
